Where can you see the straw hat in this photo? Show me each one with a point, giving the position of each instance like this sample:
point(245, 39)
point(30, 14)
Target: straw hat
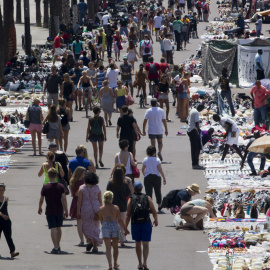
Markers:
point(195, 188)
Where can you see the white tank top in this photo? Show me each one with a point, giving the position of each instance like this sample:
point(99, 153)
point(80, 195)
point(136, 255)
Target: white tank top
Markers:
point(128, 167)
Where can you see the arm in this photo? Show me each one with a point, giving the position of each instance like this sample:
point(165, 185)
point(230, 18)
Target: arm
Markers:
point(62, 89)
point(165, 126)
point(61, 171)
point(143, 169)
point(104, 131)
point(128, 213)
point(117, 131)
point(135, 129)
point(259, 65)
point(61, 130)
point(64, 202)
point(162, 173)
point(45, 87)
point(153, 210)
point(79, 205)
point(99, 198)
point(44, 121)
point(88, 132)
point(120, 221)
point(209, 207)
point(41, 200)
point(40, 171)
point(133, 163)
point(144, 125)
point(69, 173)
point(41, 115)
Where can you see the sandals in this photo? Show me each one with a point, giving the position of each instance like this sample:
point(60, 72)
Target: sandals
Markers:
point(117, 266)
point(89, 246)
point(145, 267)
point(95, 250)
point(168, 120)
point(140, 267)
point(101, 163)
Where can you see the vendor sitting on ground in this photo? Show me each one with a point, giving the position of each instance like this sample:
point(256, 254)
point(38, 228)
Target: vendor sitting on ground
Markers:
point(197, 207)
point(232, 134)
point(251, 155)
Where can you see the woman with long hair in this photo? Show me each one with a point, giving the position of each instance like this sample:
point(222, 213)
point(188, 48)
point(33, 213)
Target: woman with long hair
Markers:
point(132, 52)
point(92, 52)
point(140, 78)
point(120, 92)
point(55, 127)
point(117, 39)
point(120, 189)
point(89, 202)
point(110, 218)
point(77, 179)
point(50, 163)
point(65, 114)
point(87, 157)
point(106, 101)
point(68, 93)
point(132, 35)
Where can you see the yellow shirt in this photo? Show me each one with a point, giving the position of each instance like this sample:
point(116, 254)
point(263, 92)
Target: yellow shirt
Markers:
point(186, 21)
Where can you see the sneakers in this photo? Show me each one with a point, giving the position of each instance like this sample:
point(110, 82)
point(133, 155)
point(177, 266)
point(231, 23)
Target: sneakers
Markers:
point(54, 251)
point(160, 156)
point(197, 167)
point(110, 123)
point(14, 254)
point(253, 174)
point(89, 246)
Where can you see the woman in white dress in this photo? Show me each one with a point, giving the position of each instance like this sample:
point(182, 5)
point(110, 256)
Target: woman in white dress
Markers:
point(132, 52)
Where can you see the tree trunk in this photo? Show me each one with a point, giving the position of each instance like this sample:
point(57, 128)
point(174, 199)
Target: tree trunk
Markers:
point(27, 27)
point(66, 12)
point(46, 14)
point(10, 45)
point(2, 61)
point(74, 11)
point(18, 11)
point(38, 13)
point(55, 9)
point(91, 9)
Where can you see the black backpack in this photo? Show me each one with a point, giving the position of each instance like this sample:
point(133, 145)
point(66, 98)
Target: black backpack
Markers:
point(139, 208)
point(64, 117)
point(170, 200)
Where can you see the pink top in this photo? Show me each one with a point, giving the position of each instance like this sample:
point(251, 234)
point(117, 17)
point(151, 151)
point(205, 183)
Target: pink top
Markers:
point(259, 95)
point(268, 212)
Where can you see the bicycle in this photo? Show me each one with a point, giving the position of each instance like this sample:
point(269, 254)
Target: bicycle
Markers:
point(95, 99)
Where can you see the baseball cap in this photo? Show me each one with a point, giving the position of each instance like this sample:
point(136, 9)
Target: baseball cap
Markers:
point(52, 145)
point(125, 57)
point(138, 185)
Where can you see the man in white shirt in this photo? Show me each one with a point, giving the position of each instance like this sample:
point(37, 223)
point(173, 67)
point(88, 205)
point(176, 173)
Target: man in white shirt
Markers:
point(105, 20)
point(158, 21)
point(193, 132)
point(112, 75)
point(168, 45)
point(259, 65)
point(258, 26)
point(232, 134)
point(156, 117)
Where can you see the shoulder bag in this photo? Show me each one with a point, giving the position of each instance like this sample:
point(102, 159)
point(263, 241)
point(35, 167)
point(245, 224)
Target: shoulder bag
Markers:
point(45, 128)
point(135, 171)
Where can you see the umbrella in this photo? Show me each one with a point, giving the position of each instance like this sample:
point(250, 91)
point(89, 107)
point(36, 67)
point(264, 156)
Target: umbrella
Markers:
point(261, 145)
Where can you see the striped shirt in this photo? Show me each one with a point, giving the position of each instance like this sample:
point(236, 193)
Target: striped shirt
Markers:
point(100, 79)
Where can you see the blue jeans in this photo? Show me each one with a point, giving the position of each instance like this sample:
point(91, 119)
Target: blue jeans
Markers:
point(124, 29)
point(250, 157)
point(82, 16)
point(228, 96)
point(260, 115)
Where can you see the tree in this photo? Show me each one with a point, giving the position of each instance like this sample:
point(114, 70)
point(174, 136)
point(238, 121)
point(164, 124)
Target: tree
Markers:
point(10, 45)
point(38, 13)
point(2, 60)
point(93, 6)
point(55, 12)
point(74, 11)
point(18, 11)
point(46, 14)
point(66, 12)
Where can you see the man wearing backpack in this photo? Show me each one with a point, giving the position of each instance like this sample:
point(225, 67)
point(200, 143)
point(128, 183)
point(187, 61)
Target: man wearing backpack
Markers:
point(138, 208)
point(177, 24)
point(184, 31)
point(152, 70)
point(146, 49)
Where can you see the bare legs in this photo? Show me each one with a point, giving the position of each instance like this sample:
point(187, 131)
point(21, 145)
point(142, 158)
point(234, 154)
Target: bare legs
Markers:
point(143, 253)
point(100, 149)
point(108, 251)
point(66, 132)
point(56, 235)
point(79, 229)
point(166, 101)
point(33, 136)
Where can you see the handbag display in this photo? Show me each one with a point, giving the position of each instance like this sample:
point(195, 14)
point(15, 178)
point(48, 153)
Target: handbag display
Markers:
point(45, 128)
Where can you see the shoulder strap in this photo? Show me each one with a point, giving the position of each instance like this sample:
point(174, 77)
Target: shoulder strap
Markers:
point(3, 203)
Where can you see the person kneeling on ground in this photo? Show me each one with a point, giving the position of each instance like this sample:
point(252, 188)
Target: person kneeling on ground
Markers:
point(197, 207)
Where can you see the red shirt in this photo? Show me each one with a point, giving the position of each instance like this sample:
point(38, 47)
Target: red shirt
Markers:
point(259, 95)
point(153, 75)
point(57, 42)
point(163, 67)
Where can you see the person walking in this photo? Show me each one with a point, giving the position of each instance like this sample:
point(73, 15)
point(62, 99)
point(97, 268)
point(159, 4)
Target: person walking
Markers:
point(146, 49)
point(140, 78)
point(75, 74)
point(158, 22)
point(109, 39)
point(120, 95)
point(77, 179)
point(110, 218)
point(131, 53)
point(138, 208)
point(5, 222)
point(120, 189)
point(96, 133)
point(168, 46)
point(163, 94)
point(52, 84)
point(89, 202)
point(35, 117)
point(152, 170)
point(77, 47)
point(55, 127)
point(153, 71)
point(193, 132)
point(126, 124)
point(83, 7)
point(101, 42)
point(65, 115)
point(56, 205)
point(50, 163)
point(155, 117)
point(259, 65)
point(117, 39)
point(259, 95)
point(126, 71)
point(177, 24)
point(226, 90)
point(106, 101)
point(232, 134)
point(68, 93)
point(258, 24)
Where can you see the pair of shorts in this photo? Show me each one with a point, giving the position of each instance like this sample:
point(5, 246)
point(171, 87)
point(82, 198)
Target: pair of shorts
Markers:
point(54, 221)
point(66, 127)
point(181, 95)
point(67, 98)
point(141, 232)
point(183, 36)
point(182, 5)
point(156, 81)
point(96, 138)
point(89, 91)
point(163, 96)
point(35, 127)
point(58, 51)
point(154, 136)
point(53, 134)
point(76, 88)
point(145, 57)
point(52, 98)
point(157, 28)
point(124, 82)
point(186, 208)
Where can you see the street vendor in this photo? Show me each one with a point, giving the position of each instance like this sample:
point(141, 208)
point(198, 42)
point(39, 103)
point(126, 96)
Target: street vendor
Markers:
point(251, 155)
point(232, 134)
